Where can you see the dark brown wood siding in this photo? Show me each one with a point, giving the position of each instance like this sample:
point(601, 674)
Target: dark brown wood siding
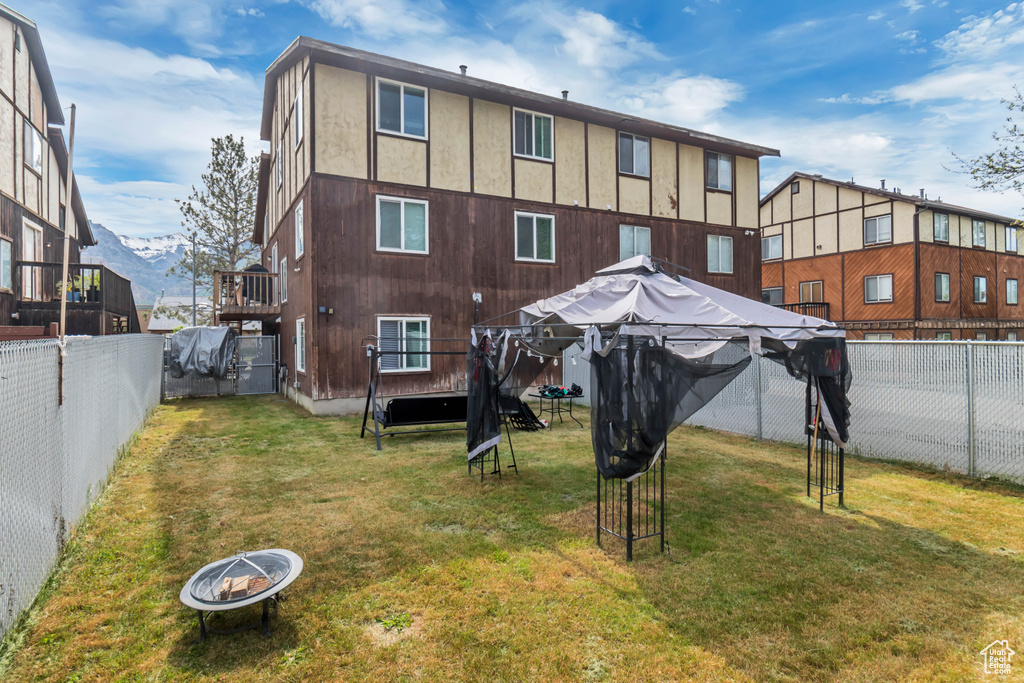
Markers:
point(472, 249)
point(896, 260)
point(828, 269)
point(1009, 267)
point(939, 258)
point(978, 262)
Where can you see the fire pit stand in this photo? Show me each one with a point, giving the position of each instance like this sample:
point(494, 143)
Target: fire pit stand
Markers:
point(239, 581)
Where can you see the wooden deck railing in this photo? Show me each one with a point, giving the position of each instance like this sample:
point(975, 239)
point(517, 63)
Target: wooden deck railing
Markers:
point(818, 309)
point(244, 295)
point(91, 286)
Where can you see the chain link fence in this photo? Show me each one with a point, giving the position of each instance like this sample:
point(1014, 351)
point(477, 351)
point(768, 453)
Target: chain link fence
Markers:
point(55, 458)
point(254, 370)
point(949, 405)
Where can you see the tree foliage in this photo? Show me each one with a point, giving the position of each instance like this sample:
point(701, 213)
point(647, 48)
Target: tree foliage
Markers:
point(1003, 169)
point(221, 214)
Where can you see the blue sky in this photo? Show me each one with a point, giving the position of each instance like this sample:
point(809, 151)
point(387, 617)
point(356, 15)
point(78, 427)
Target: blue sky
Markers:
point(849, 90)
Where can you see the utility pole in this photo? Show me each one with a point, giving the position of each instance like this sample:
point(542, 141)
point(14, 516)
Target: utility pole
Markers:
point(193, 279)
point(68, 217)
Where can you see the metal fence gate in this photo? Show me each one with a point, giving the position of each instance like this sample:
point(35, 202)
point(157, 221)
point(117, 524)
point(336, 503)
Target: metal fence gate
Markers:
point(253, 371)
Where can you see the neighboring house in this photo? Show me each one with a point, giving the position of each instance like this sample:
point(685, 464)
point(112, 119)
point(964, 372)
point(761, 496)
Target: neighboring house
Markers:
point(173, 312)
point(34, 219)
point(891, 265)
point(393, 191)
point(145, 312)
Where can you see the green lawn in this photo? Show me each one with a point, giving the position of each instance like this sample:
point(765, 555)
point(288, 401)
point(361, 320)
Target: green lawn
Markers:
point(416, 571)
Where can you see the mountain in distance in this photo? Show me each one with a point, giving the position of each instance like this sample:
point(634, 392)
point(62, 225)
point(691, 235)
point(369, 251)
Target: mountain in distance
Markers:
point(143, 260)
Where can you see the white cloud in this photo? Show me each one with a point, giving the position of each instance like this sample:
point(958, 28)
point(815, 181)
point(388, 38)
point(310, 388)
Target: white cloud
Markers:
point(876, 16)
point(689, 10)
point(911, 5)
point(981, 38)
point(972, 82)
point(249, 12)
point(595, 41)
point(910, 36)
point(383, 18)
point(690, 101)
point(138, 208)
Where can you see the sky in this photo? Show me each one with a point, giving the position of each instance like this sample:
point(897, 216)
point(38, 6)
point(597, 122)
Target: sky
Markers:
point(862, 91)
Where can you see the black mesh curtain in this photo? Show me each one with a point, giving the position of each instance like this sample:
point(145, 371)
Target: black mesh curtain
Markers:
point(641, 391)
point(825, 362)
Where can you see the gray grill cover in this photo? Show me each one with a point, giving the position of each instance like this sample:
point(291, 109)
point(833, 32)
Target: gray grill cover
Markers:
point(202, 352)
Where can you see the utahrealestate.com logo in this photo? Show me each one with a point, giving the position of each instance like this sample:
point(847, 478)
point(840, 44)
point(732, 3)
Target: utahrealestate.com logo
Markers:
point(997, 657)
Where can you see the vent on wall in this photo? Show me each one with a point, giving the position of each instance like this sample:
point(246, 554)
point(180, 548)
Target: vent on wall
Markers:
point(17, 39)
point(795, 187)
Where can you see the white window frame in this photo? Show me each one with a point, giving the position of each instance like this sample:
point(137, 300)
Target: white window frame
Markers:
point(402, 201)
point(887, 240)
point(732, 255)
point(635, 228)
point(282, 277)
point(983, 281)
point(782, 298)
point(7, 273)
point(401, 109)
point(772, 240)
point(975, 224)
point(633, 160)
point(944, 335)
point(878, 279)
point(300, 345)
point(1011, 336)
point(402, 338)
point(935, 226)
point(878, 336)
point(300, 230)
point(811, 283)
point(273, 267)
point(33, 137)
point(515, 237)
point(981, 336)
point(1012, 300)
point(948, 288)
point(1011, 236)
point(533, 135)
point(297, 118)
point(718, 163)
point(278, 167)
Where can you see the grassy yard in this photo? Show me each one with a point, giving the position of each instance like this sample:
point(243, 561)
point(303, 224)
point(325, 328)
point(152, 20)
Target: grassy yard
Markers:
point(416, 571)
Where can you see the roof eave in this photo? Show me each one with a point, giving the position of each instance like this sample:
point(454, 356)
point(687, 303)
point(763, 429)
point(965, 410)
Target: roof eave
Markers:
point(55, 114)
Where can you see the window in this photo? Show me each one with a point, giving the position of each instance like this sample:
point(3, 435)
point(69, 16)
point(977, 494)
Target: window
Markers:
point(1011, 336)
point(771, 247)
point(533, 135)
point(273, 267)
point(942, 286)
point(408, 339)
point(1011, 238)
point(6, 263)
point(771, 295)
point(794, 187)
point(402, 225)
point(940, 227)
point(877, 288)
point(719, 171)
point(277, 166)
point(812, 292)
point(634, 241)
point(978, 233)
point(401, 109)
point(981, 336)
point(62, 218)
point(300, 234)
point(878, 230)
point(878, 336)
point(300, 344)
point(1011, 292)
point(535, 237)
point(980, 289)
point(33, 148)
point(944, 335)
point(283, 277)
point(634, 154)
point(719, 254)
point(297, 117)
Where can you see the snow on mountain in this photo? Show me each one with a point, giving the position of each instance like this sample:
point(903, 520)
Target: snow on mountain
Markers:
point(155, 248)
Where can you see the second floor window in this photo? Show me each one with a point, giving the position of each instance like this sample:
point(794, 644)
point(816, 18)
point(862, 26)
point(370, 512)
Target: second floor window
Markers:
point(535, 237)
point(719, 171)
point(942, 287)
point(277, 166)
point(300, 344)
point(877, 288)
point(533, 135)
point(33, 148)
point(719, 254)
point(408, 340)
point(940, 227)
point(634, 241)
point(300, 230)
point(1011, 238)
point(1011, 292)
point(978, 233)
point(401, 109)
point(402, 225)
point(6, 263)
point(878, 230)
point(297, 117)
point(980, 289)
point(771, 247)
point(283, 277)
point(634, 154)
point(812, 292)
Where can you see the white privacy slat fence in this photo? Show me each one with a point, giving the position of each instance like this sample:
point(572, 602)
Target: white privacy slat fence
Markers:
point(949, 405)
point(55, 459)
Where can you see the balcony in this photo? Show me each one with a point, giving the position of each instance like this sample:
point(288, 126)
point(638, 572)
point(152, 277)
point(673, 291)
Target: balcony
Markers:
point(817, 309)
point(99, 301)
point(240, 295)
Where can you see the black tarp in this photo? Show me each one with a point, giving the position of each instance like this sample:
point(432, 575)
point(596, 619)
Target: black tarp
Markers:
point(202, 352)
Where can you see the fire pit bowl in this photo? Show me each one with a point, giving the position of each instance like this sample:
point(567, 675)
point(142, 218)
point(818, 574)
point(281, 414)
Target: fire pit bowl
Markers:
point(238, 581)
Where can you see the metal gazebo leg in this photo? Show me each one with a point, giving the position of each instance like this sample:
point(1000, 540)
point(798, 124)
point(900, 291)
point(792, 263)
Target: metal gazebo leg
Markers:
point(629, 521)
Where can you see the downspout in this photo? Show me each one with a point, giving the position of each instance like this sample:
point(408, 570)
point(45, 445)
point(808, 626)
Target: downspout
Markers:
point(917, 270)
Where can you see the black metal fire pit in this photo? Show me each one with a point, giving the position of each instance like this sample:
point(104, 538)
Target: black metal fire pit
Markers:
point(239, 581)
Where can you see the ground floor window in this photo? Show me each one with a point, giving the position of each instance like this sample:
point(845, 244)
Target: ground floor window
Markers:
point(719, 254)
point(300, 344)
point(878, 336)
point(535, 237)
point(981, 336)
point(634, 241)
point(6, 278)
point(944, 335)
point(408, 340)
point(772, 295)
point(1011, 336)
